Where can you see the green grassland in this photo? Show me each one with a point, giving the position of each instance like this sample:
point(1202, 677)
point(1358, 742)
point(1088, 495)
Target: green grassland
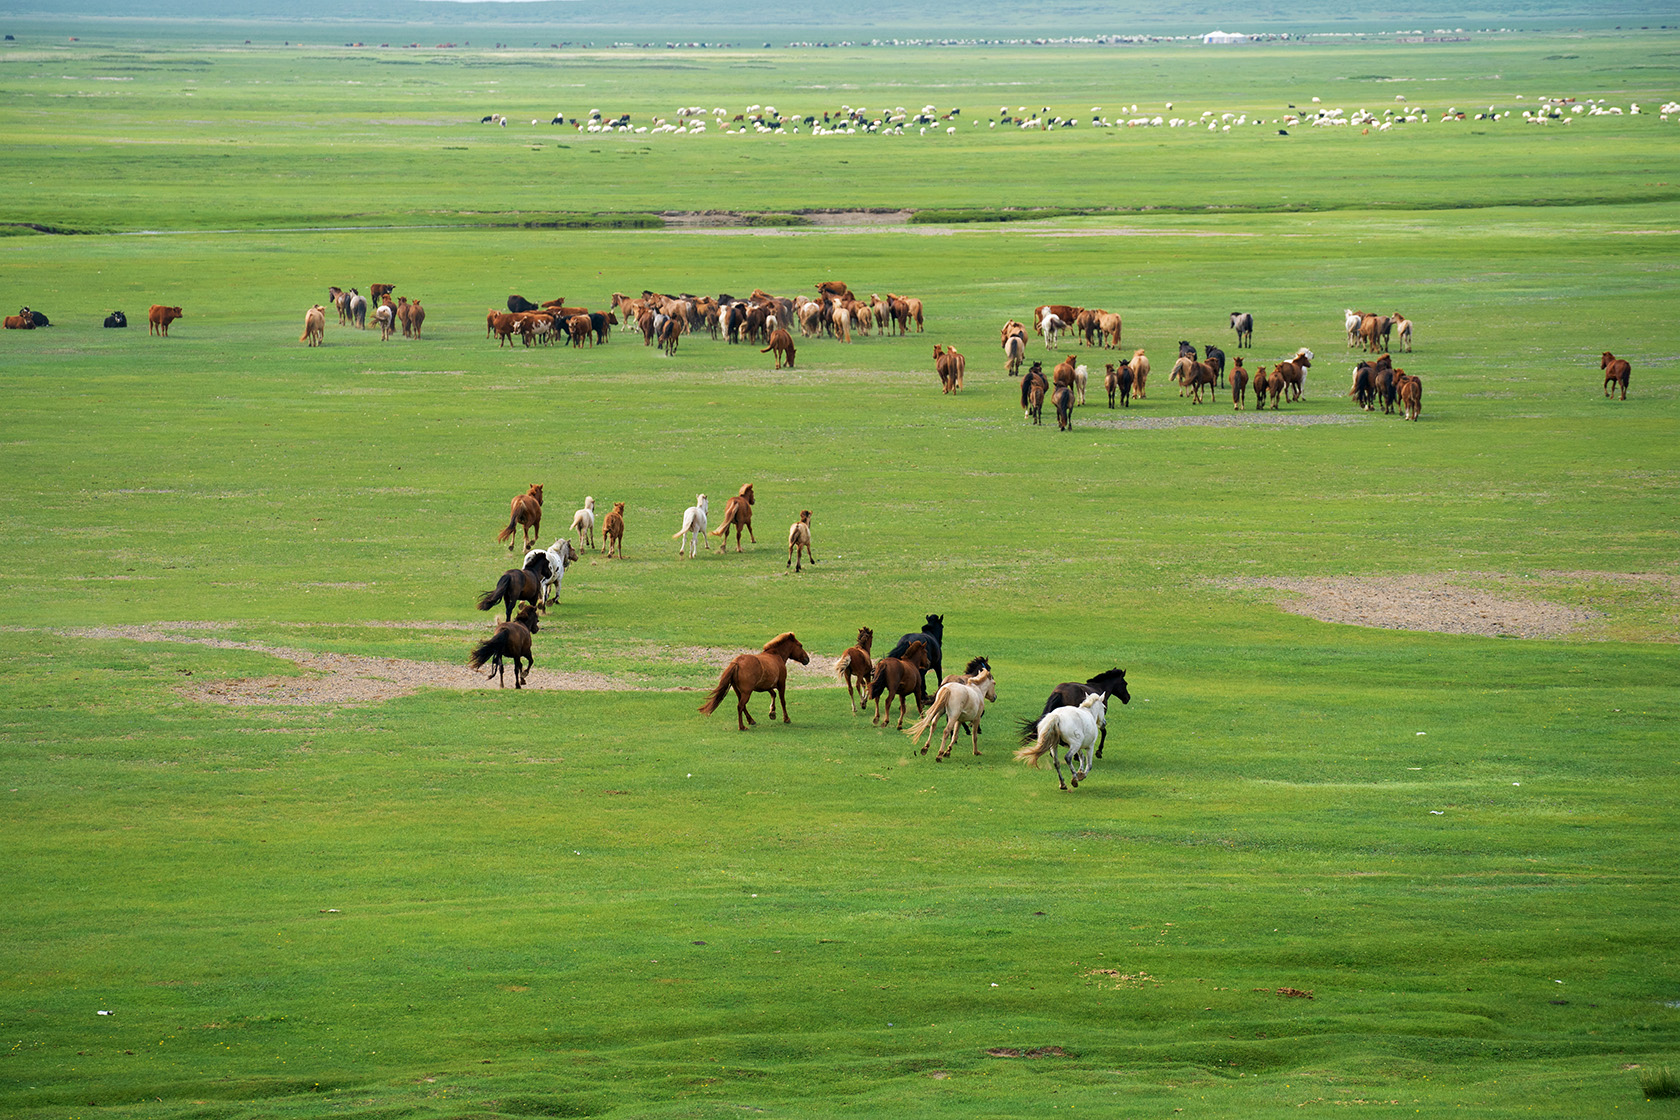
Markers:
point(561, 903)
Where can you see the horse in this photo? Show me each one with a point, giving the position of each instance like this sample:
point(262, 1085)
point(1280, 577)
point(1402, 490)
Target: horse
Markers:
point(549, 565)
point(1411, 395)
point(1215, 357)
point(1387, 389)
point(1295, 372)
point(357, 309)
point(960, 703)
point(1110, 682)
point(1119, 380)
point(1364, 389)
point(782, 343)
point(932, 637)
point(1063, 398)
point(854, 665)
point(515, 584)
point(897, 678)
point(1033, 387)
point(693, 531)
point(583, 522)
point(1140, 374)
point(1195, 376)
point(613, 531)
point(1049, 327)
point(384, 315)
point(1616, 372)
point(949, 365)
point(340, 299)
point(1014, 353)
point(737, 513)
point(1239, 384)
point(1403, 326)
point(1243, 323)
point(758, 672)
point(314, 325)
point(799, 542)
point(511, 640)
point(526, 512)
point(1077, 728)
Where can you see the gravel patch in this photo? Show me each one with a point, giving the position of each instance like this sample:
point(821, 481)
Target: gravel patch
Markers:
point(1421, 603)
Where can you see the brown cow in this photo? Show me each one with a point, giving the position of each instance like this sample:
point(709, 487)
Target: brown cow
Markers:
point(159, 317)
point(782, 343)
point(1616, 372)
point(314, 325)
point(24, 320)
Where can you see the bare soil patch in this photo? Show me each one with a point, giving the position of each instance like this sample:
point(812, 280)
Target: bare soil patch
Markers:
point(1422, 602)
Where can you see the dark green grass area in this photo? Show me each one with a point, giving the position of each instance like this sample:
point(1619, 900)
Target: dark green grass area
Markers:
point(569, 903)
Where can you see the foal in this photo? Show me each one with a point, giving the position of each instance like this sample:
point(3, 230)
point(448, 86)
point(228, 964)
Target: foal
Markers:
point(854, 666)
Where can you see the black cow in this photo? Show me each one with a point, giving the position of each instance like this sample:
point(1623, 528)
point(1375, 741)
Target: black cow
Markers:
point(116, 319)
point(517, 304)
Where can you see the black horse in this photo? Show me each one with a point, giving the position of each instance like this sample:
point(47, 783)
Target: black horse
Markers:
point(932, 636)
point(1071, 694)
point(1215, 357)
point(515, 585)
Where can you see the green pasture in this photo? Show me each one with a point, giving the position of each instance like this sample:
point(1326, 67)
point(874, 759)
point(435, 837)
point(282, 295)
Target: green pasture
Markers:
point(562, 903)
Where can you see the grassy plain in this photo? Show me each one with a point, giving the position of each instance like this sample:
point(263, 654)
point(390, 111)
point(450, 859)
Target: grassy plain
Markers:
point(601, 903)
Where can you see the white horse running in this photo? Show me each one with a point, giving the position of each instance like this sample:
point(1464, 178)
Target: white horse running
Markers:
point(551, 569)
point(1351, 321)
point(693, 525)
point(583, 522)
point(1051, 325)
point(1078, 728)
point(960, 702)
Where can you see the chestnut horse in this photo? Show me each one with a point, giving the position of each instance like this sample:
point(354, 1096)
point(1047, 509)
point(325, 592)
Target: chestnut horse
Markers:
point(1616, 372)
point(758, 672)
point(512, 639)
point(613, 531)
point(899, 678)
point(738, 513)
point(526, 512)
point(854, 665)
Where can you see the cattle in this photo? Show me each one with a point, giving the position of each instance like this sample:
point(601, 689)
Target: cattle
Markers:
point(22, 321)
point(40, 319)
point(158, 318)
point(518, 304)
point(116, 319)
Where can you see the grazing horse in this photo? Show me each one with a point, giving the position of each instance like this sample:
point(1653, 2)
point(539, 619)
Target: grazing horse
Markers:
point(1077, 728)
point(693, 531)
point(515, 585)
point(613, 531)
point(782, 343)
point(314, 325)
point(960, 703)
point(737, 513)
point(854, 666)
point(1033, 387)
point(512, 640)
point(583, 522)
point(758, 672)
point(932, 637)
point(799, 541)
point(526, 512)
point(1243, 323)
point(1616, 372)
point(1111, 682)
point(549, 566)
point(898, 678)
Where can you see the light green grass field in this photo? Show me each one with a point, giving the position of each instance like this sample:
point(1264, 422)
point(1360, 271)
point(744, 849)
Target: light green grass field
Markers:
point(479, 902)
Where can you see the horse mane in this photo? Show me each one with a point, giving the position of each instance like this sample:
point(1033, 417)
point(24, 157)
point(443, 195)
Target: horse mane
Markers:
point(1105, 676)
point(975, 666)
point(747, 493)
point(785, 636)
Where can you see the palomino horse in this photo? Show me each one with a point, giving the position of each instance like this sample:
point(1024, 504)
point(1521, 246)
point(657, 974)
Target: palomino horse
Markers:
point(512, 640)
point(854, 666)
point(737, 514)
point(314, 325)
point(962, 701)
point(1616, 372)
point(613, 530)
point(799, 542)
point(693, 531)
point(1076, 728)
point(1111, 682)
point(525, 512)
point(758, 672)
point(899, 678)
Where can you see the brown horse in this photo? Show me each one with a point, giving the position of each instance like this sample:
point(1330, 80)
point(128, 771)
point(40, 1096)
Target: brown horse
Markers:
point(854, 665)
point(799, 542)
point(899, 678)
point(1616, 372)
point(782, 343)
point(613, 530)
point(1239, 385)
point(949, 365)
point(758, 672)
point(526, 512)
point(1033, 387)
point(516, 584)
point(737, 513)
point(512, 640)
point(1295, 372)
point(1411, 394)
point(1195, 376)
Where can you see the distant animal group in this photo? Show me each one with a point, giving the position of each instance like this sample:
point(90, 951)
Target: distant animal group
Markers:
point(389, 315)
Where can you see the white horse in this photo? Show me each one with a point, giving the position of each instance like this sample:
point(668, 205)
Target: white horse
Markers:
point(1051, 325)
point(961, 702)
point(1079, 728)
point(583, 522)
point(694, 524)
point(1351, 321)
point(551, 567)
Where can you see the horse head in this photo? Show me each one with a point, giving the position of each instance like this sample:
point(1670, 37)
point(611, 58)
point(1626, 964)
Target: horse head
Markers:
point(916, 655)
point(935, 626)
point(866, 638)
point(527, 617)
point(536, 492)
point(1112, 681)
point(747, 493)
point(788, 646)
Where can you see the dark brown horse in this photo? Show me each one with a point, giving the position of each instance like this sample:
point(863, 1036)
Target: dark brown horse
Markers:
point(1071, 694)
point(1239, 384)
point(1195, 376)
point(899, 678)
point(516, 585)
point(854, 666)
point(1033, 387)
point(1616, 372)
point(737, 513)
point(526, 512)
point(511, 640)
point(758, 672)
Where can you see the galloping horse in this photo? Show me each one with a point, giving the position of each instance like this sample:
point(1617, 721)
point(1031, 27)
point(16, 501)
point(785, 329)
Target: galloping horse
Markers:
point(549, 566)
point(960, 702)
point(854, 665)
point(758, 672)
point(1111, 682)
point(737, 513)
point(898, 678)
point(693, 531)
point(613, 531)
point(583, 522)
point(515, 584)
point(799, 542)
point(512, 639)
point(526, 512)
point(1616, 372)
point(1078, 728)
point(932, 637)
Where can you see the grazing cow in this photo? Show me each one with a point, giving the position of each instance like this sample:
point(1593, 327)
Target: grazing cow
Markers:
point(799, 541)
point(158, 318)
point(1616, 372)
point(314, 325)
point(1243, 323)
point(116, 319)
point(581, 329)
point(1064, 408)
point(949, 365)
point(378, 293)
point(782, 344)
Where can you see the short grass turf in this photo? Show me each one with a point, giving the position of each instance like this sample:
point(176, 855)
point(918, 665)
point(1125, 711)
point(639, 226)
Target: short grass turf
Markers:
point(556, 903)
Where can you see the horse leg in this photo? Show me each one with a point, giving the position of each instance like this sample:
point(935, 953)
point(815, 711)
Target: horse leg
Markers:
point(1056, 761)
point(1102, 737)
point(783, 690)
point(903, 702)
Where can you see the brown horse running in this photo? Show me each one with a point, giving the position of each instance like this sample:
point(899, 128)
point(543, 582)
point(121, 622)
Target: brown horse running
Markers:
point(511, 640)
point(613, 530)
point(527, 513)
point(898, 678)
point(854, 666)
point(516, 585)
point(758, 672)
point(1616, 372)
point(737, 513)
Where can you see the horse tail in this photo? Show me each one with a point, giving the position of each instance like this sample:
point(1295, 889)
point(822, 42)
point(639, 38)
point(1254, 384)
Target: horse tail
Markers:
point(1026, 391)
point(928, 717)
point(493, 646)
point(877, 684)
point(1029, 730)
point(842, 665)
point(507, 534)
point(492, 597)
point(1044, 743)
point(722, 689)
